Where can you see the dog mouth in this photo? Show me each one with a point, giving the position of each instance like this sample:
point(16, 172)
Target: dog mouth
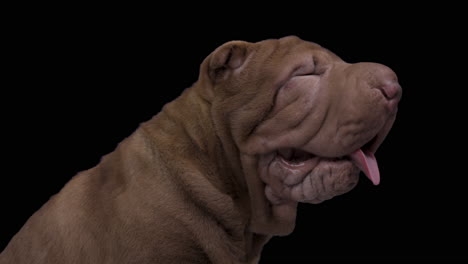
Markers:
point(363, 158)
point(298, 174)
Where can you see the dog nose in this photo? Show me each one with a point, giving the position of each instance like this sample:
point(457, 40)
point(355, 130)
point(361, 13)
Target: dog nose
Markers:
point(384, 79)
point(390, 89)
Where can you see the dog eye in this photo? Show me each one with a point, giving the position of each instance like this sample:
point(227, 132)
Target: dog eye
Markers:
point(304, 70)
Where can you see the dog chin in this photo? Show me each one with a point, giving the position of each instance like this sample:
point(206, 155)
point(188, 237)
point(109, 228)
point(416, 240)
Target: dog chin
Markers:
point(293, 174)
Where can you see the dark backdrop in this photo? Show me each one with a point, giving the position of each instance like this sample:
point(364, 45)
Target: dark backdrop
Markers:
point(81, 83)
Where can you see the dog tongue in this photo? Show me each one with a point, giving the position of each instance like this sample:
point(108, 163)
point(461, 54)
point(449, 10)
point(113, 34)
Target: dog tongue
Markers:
point(367, 163)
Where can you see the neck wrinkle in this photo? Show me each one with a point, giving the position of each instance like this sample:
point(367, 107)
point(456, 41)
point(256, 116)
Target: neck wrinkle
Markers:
point(207, 139)
point(191, 115)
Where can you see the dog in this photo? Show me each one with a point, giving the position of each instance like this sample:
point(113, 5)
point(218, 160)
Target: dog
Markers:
point(221, 169)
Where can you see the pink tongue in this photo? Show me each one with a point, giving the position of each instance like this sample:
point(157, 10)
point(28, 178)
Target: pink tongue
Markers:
point(367, 163)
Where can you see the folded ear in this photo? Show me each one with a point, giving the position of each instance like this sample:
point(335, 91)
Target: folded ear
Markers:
point(226, 58)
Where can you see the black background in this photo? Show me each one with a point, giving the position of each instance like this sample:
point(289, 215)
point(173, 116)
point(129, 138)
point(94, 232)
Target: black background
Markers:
point(77, 83)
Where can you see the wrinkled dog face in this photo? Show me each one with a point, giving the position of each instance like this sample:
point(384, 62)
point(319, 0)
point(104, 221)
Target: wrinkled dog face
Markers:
point(312, 120)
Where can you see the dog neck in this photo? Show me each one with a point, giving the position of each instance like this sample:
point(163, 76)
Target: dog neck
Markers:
point(185, 127)
point(190, 115)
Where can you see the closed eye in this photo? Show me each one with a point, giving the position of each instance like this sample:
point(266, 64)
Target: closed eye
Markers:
point(305, 69)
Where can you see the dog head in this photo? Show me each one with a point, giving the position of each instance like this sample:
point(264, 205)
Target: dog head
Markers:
point(303, 122)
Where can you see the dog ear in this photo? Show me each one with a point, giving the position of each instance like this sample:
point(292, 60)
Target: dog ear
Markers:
point(226, 58)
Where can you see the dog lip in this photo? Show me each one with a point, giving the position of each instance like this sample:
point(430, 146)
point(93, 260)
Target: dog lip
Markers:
point(294, 158)
point(371, 145)
point(294, 172)
point(374, 143)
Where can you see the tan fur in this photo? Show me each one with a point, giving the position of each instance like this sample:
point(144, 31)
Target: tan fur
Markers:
point(183, 188)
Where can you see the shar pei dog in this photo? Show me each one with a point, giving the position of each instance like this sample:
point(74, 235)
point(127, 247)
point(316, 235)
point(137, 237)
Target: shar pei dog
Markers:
point(221, 169)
